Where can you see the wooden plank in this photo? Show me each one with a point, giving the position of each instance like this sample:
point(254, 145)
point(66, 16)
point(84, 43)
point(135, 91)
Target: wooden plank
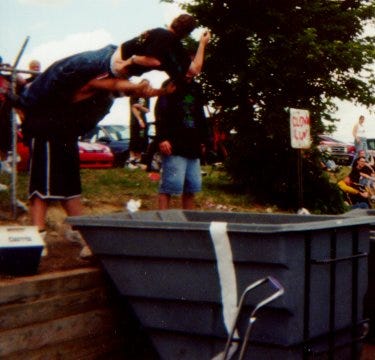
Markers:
point(72, 327)
point(66, 304)
point(33, 287)
point(88, 348)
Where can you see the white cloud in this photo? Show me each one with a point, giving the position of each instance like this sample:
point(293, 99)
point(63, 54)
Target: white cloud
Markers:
point(120, 111)
point(44, 2)
point(170, 12)
point(116, 3)
point(51, 51)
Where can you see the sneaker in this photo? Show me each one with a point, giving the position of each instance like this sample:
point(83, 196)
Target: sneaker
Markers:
point(86, 253)
point(153, 176)
point(3, 187)
point(10, 159)
point(74, 237)
point(43, 234)
point(21, 205)
point(132, 166)
point(6, 167)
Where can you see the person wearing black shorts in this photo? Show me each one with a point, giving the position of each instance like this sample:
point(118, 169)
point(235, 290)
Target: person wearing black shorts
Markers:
point(69, 98)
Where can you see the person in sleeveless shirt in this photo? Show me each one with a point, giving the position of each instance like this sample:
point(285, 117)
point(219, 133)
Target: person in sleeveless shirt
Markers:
point(359, 134)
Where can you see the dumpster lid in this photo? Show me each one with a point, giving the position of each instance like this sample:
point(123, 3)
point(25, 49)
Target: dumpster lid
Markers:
point(236, 221)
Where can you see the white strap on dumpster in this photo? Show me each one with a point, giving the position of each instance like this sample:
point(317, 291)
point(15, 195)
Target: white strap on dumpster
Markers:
point(227, 275)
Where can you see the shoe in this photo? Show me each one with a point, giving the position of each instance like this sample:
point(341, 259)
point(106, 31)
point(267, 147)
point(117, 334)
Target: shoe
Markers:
point(43, 234)
point(132, 166)
point(9, 159)
point(3, 187)
point(86, 253)
point(22, 206)
point(74, 237)
point(153, 176)
point(6, 167)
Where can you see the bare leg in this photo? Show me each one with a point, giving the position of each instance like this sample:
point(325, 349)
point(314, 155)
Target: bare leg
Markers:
point(38, 211)
point(73, 207)
point(164, 200)
point(188, 201)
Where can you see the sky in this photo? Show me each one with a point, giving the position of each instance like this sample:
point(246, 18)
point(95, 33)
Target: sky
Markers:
point(58, 28)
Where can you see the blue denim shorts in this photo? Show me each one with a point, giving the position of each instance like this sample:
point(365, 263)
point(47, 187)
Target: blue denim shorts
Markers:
point(180, 175)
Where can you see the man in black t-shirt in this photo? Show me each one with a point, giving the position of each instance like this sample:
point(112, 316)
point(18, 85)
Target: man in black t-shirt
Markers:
point(182, 133)
point(161, 49)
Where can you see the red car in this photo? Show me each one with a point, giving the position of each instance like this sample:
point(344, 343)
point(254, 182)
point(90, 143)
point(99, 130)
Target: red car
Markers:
point(23, 153)
point(92, 156)
point(95, 156)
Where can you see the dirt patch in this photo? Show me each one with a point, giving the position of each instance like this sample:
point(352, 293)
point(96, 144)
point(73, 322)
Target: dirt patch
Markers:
point(63, 255)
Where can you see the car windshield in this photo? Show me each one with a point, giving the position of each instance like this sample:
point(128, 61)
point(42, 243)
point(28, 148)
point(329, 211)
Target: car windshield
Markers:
point(328, 138)
point(371, 144)
point(117, 132)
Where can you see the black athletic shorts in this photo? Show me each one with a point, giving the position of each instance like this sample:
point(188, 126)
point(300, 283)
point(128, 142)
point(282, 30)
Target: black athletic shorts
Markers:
point(54, 170)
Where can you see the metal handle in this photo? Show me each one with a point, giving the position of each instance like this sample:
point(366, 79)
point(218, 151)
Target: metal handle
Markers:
point(344, 258)
point(279, 291)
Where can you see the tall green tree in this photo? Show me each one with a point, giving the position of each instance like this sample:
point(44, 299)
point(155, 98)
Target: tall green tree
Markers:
point(270, 55)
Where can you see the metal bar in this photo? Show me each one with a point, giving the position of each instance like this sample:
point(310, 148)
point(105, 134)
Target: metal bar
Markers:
point(332, 296)
point(10, 69)
point(360, 331)
point(300, 179)
point(355, 249)
point(307, 291)
point(279, 291)
point(334, 260)
point(14, 132)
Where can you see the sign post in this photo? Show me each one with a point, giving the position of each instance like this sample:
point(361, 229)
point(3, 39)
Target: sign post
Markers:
point(300, 139)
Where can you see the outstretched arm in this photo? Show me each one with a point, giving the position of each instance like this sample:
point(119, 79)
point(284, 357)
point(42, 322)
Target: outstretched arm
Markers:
point(197, 63)
point(122, 86)
point(346, 188)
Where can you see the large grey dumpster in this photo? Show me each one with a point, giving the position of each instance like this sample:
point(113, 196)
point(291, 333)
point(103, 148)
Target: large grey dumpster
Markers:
point(182, 271)
point(369, 304)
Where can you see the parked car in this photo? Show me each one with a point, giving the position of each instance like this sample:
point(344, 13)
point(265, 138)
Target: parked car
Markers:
point(23, 153)
point(340, 152)
point(92, 156)
point(115, 136)
point(371, 146)
point(95, 156)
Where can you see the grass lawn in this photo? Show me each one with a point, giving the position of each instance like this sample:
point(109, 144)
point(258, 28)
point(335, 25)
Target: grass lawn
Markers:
point(106, 190)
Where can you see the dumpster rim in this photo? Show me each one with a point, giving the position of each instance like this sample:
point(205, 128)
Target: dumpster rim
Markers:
point(332, 222)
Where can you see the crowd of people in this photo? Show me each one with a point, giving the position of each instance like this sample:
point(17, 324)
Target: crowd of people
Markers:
point(73, 94)
point(359, 185)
